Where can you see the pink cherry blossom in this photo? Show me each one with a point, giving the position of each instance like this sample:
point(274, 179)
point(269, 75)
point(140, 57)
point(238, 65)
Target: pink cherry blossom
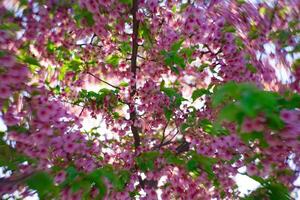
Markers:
point(60, 177)
point(102, 94)
point(5, 91)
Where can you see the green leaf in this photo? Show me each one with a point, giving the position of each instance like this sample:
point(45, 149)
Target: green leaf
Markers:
point(283, 36)
point(71, 174)
point(296, 64)
point(123, 177)
point(293, 102)
point(176, 45)
point(239, 42)
point(125, 47)
point(262, 11)
point(116, 115)
point(199, 92)
point(7, 156)
point(251, 68)
point(23, 2)
point(19, 129)
point(229, 29)
point(192, 165)
point(74, 65)
point(173, 159)
point(146, 160)
point(296, 49)
point(124, 84)
point(113, 60)
point(249, 103)
point(82, 184)
point(253, 33)
point(202, 67)
point(223, 93)
point(203, 163)
point(173, 59)
point(41, 182)
point(175, 98)
point(83, 15)
point(206, 125)
point(250, 137)
point(168, 113)
point(95, 177)
point(187, 51)
point(175, 70)
point(145, 33)
point(108, 173)
point(170, 92)
point(29, 60)
point(62, 73)
point(2, 53)
point(269, 190)
point(184, 127)
point(229, 113)
point(9, 26)
point(128, 2)
point(179, 61)
point(241, 1)
point(274, 121)
point(51, 47)
point(278, 191)
point(183, 6)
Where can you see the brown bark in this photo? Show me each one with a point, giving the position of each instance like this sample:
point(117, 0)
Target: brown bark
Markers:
point(133, 69)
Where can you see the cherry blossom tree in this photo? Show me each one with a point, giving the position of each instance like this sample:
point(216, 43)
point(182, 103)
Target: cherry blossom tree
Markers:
point(184, 93)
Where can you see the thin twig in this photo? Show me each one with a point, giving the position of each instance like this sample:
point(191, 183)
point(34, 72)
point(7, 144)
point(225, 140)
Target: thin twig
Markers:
point(99, 79)
point(163, 135)
point(273, 15)
point(81, 111)
point(92, 39)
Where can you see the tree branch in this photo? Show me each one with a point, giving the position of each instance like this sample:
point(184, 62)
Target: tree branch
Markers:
point(15, 180)
point(133, 69)
point(273, 15)
point(99, 79)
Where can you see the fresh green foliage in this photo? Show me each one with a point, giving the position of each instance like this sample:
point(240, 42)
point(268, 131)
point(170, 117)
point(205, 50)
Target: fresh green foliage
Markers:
point(249, 137)
point(168, 113)
point(125, 47)
point(174, 58)
point(145, 161)
point(175, 98)
point(113, 60)
point(238, 101)
point(83, 16)
point(253, 33)
point(229, 29)
point(145, 33)
point(173, 159)
point(85, 181)
point(199, 93)
point(269, 189)
point(129, 2)
point(9, 26)
point(191, 120)
point(212, 128)
point(32, 62)
point(75, 65)
point(201, 163)
point(42, 183)
point(98, 98)
point(173, 94)
point(246, 100)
